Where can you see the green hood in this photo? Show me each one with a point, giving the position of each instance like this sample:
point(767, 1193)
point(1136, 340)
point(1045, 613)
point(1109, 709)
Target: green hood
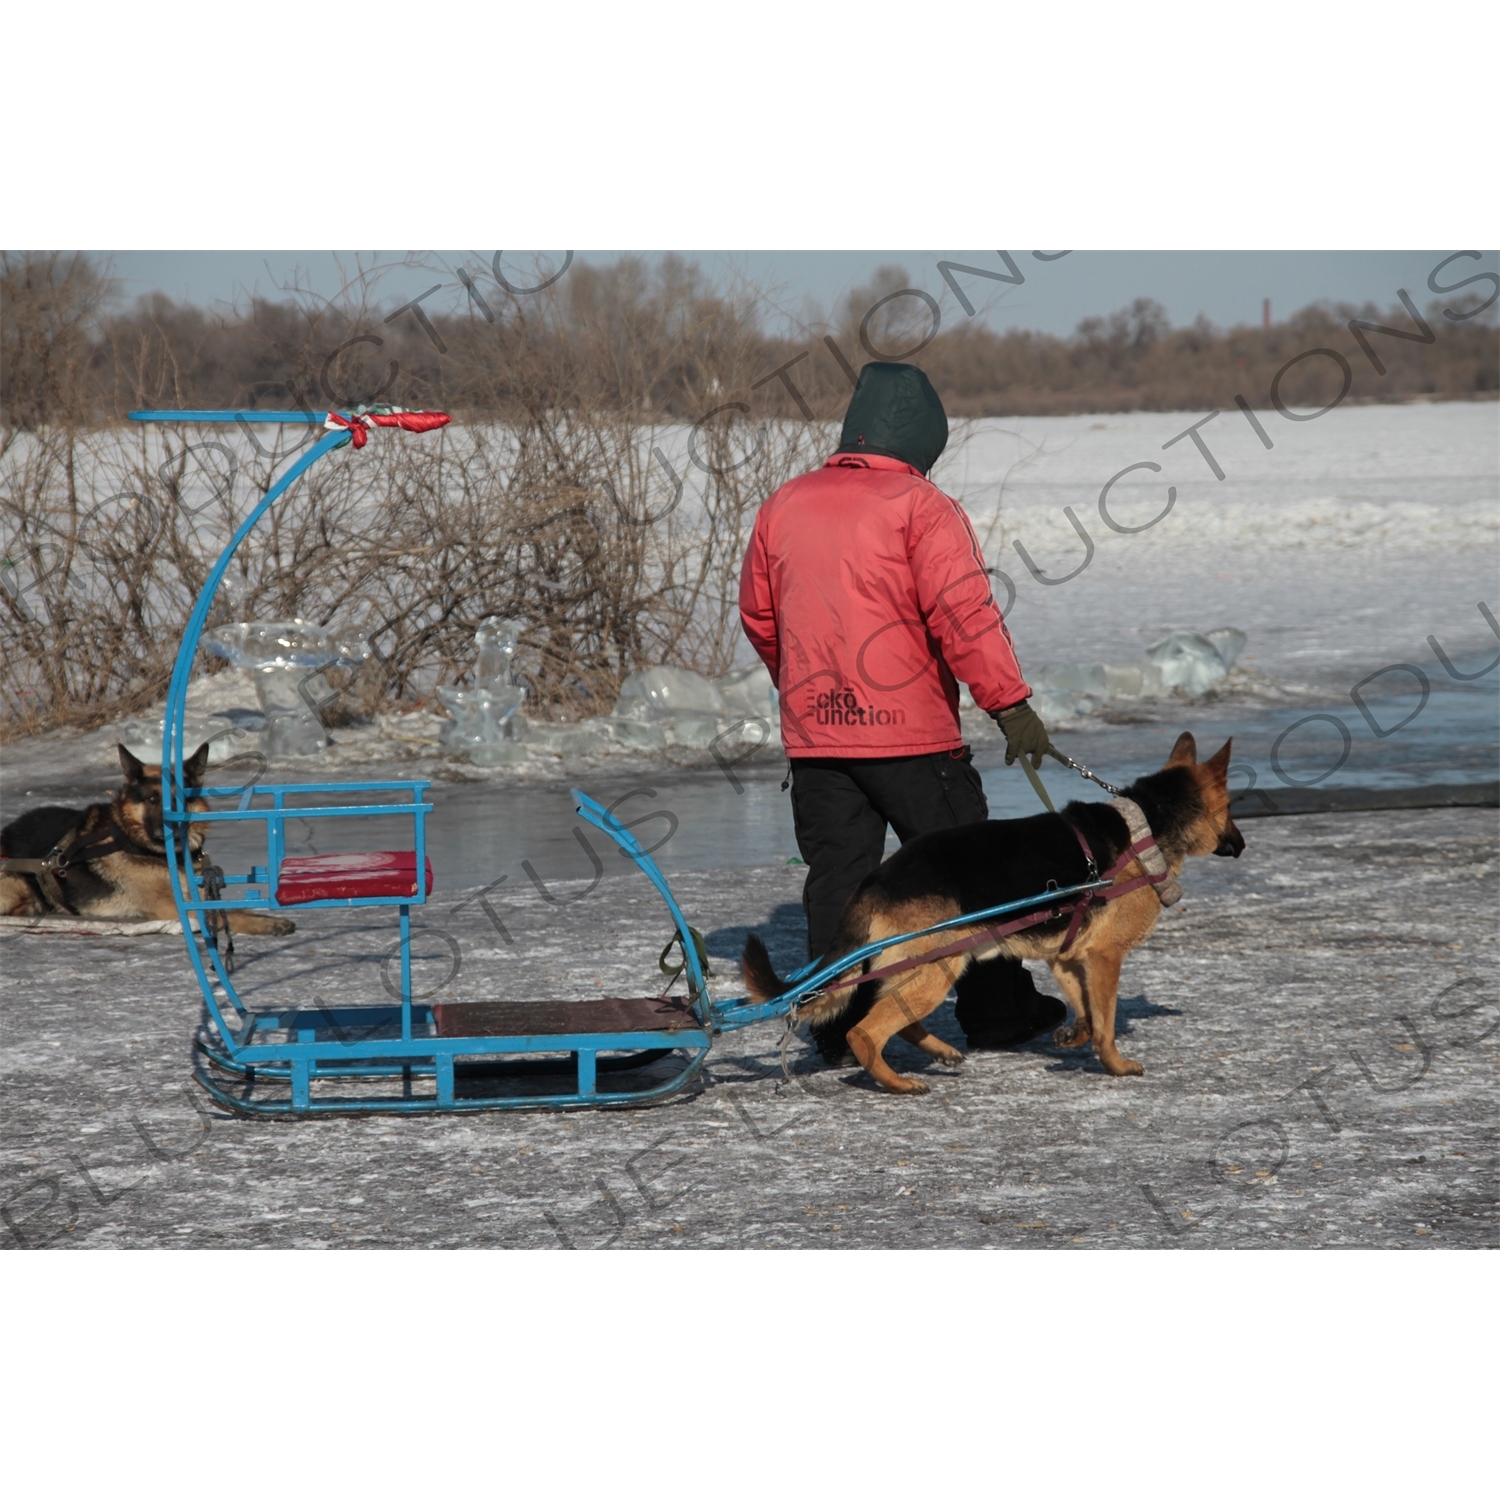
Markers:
point(896, 412)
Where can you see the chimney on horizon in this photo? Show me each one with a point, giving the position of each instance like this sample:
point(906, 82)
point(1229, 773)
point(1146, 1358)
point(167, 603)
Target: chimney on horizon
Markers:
point(1265, 314)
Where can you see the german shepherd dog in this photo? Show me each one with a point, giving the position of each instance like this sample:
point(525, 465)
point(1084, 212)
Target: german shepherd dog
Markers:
point(942, 875)
point(114, 858)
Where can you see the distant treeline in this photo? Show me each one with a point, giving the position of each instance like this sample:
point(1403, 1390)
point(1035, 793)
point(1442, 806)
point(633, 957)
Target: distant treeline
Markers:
point(659, 340)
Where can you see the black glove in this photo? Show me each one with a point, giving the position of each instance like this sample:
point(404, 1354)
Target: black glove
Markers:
point(1025, 734)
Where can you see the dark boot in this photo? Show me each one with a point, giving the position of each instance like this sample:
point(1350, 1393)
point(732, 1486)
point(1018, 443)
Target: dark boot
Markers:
point(999, 1005)
point(833, 1047)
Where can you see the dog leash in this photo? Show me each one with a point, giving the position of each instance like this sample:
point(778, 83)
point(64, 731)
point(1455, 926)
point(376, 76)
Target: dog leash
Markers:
point(214, 922)
point(1036, 784)
point(74, 848)
point(700, 947)
point(1072, 765)
point(68, 850)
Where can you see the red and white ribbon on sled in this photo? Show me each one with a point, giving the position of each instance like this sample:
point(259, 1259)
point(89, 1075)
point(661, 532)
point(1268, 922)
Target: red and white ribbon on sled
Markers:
point(358, 422)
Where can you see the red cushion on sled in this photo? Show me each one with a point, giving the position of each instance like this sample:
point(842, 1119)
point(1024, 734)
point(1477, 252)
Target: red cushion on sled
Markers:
point(343, 877)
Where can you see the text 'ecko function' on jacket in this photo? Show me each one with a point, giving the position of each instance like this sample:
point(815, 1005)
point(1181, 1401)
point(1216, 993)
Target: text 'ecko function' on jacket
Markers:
point(865, 593)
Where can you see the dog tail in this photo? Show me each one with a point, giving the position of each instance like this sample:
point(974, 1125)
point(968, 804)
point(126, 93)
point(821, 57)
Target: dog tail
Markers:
point(764, 984)
point(761, 978)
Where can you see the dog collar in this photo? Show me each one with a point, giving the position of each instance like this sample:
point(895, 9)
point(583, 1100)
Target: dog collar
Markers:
point(1143, 843)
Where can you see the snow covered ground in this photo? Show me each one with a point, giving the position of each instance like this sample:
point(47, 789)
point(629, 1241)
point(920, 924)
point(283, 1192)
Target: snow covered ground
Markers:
point(1319, 1072)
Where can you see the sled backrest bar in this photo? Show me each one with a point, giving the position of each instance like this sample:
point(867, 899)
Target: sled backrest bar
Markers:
point(606, 822)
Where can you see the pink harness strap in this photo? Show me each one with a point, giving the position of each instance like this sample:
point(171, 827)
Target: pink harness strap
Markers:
point(962, 945)
point(1098, 898)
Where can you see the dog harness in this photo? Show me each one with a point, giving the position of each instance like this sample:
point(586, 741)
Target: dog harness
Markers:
point(52, 868)
point(1142, 847)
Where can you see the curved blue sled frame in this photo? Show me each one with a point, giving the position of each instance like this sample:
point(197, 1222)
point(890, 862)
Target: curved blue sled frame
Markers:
point(292, 1049)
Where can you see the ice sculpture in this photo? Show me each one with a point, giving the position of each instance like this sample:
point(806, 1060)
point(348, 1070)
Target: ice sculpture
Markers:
point(660, 692)
point(487, 720)
point(1188, 660)
point(684, 705)
point(225, 739)
point(750, 693)
point(285, 660)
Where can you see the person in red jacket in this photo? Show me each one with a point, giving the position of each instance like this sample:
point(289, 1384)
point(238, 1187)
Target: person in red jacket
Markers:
point(865, 593)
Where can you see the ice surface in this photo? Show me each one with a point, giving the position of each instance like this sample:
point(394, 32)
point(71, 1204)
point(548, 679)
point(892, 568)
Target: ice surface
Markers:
point(1337, 551)
point(1227, 1004)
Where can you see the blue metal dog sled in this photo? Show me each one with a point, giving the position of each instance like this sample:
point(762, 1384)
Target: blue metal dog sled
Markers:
point(410, 1057)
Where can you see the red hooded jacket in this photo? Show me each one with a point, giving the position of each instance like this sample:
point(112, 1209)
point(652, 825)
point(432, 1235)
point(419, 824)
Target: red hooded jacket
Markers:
point(865, 593)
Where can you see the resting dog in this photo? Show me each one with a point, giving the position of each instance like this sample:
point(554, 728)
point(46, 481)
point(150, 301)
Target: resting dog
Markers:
point(942, 875)
point(111, 858)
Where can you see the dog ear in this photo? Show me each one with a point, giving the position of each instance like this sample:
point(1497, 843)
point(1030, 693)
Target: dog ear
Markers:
point(133, 769)
point(1184, 752)
point(1218, 765)
point(192, 770)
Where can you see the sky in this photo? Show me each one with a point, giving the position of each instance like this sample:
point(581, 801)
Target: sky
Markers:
point(1226, 286)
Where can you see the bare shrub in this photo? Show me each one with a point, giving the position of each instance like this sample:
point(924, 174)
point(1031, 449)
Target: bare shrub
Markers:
point(571, 498)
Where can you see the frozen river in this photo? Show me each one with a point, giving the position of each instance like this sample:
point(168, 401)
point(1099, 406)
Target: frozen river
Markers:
point(481, 833)
point(1337, 551)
